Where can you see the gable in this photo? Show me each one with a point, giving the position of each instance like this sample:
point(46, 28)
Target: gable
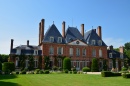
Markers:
point(77, 42)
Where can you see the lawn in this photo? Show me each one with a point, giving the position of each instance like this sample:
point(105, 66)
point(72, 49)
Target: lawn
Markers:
point(62, 80)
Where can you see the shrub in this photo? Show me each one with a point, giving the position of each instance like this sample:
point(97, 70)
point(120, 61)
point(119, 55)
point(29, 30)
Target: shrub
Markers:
point(109, 74)
point(73, 69)
point(116, 74)
point(17, 72)
point(67, 63)
point(37, 71)
point(66, 71)
point(126, 75)
point(70, 72)
point(86, 69)
point(60, 69)
point(55, 68)
point(0, 66)
point(74, 72)
point(94, 66)
point(46, 72)
point(23, 72)
point(123, 69)
point(41, 72)
point(8, 66)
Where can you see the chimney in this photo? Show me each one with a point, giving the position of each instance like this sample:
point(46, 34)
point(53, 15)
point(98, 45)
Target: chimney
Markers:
point(63, 29)
point(121, 49)
point(42, 30)
point(82, 30)
point(111, 47)
point(39, 33)
point(99, 31)
point(95, 30)
point(11, 46)
point(27, 42)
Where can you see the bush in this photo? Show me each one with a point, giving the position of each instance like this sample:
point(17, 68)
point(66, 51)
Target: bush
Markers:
point(66, 71)
point(17, 72)
point(41, 72)
point(0, 66)
point(126, 75)
point(74, 72)
point(46, 72)
point(8, 66)
point(73, 69)
point(67, 63)
point(123, 69)
point(94, 66)
point(37, 71)
point(23, 72)
point(55, 68)
point(86, 69)
point(70, 72)
point(109, 74)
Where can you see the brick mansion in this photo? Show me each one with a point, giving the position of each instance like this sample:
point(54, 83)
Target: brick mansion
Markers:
point(80, 46)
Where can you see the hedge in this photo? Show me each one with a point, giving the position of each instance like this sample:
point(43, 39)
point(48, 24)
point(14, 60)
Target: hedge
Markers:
point(109, 74)
point(67, 63)
point(86, 69)
point(126, 75)
point(8, 66)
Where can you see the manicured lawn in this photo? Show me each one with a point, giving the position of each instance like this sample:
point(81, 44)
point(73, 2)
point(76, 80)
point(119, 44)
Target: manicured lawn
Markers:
point(61, 80)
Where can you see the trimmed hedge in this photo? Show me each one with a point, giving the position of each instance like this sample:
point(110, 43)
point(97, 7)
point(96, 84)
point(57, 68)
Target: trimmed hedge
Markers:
point(109, 74)
point(74, 72)
point(94, 66)
point(86, 69)
point(8, 67)
point(126, 75)
point(67, 63)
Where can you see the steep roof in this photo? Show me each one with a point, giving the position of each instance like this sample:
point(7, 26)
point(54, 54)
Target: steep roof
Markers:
point(72, 34)
point(92, 35)
point(115, 54)
point(53, 32)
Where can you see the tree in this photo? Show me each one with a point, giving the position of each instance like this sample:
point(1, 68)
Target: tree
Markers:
point(67, 63)
point(94, 66)
point(46, 62)
point(127, 54)
point(31, 62)
point(22, 59)
point(4, 58)
point(116, 49)
point(0, 66)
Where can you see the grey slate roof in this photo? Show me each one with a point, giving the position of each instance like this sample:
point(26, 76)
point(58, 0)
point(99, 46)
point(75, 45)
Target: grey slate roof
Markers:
point(72, 34)
point(53, 32)
point(28, 47)
point(115, 54)
point(92, 35)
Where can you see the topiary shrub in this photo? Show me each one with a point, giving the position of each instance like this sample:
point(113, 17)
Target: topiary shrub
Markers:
point(70, 72)
point(106, 73)
point(8, 66)
point(67, 63)
point(36, 71)
point(86, 69)
point(23, 72)
point(17, 72)
point(94, 66)
point(73, 69)
point(116, 74)
point(46, 72)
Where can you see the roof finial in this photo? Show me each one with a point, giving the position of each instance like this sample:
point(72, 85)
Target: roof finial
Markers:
point(53, 22)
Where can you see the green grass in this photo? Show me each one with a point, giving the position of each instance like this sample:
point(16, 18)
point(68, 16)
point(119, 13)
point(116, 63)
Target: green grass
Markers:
point(62, 80)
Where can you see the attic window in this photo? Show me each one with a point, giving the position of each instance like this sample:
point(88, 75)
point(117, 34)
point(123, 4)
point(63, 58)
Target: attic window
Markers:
point(93, 42)
point(99, 42)
point(59, 39)
point(110, 55)
point(51, 39)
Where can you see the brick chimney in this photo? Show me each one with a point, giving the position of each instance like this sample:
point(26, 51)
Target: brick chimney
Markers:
point(82, 30)
point(111, 47)
point(121, 49)
point(42, 30)
point(11, 46)
point(39, 33)
point(27, 42)
point(99, 31)
point(63, 29)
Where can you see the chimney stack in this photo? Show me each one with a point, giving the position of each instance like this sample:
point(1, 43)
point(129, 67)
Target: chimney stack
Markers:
point(111, 47)
point(11, 46)
point(99, 31)
point(42, 30)
point(121, 49)
point(39, 33)
point(82, 30)
point(63, 29)
point(27, 42)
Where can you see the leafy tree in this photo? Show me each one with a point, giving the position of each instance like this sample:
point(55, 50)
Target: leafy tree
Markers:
point(127, 54)
point(4, 58)
point(127, 46)
point(94, 66)
point(46, 62)
point(22, 59)
point(116, 49)
point(67, 63)
point(0, 66)
point(31, 62)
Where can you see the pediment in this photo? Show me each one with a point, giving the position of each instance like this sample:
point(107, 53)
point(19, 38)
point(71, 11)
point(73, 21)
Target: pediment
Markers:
point(77, 42)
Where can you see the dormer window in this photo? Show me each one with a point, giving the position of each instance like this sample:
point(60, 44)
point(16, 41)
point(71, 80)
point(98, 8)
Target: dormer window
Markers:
point(51, 39)
point(59, 39)
point(35, 52)
point(99, 42)
point(110, 55)
point(93, 42)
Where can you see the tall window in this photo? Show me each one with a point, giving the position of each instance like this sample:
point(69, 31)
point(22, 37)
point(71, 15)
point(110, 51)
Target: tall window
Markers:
point(26, 63)
point(93, 53)
point(51, 39)
point(59, 50)
point(59, 39)
point(18, 51)
point(51, 50)
point(99, 42)
point(77, 51)
point(100, 53)
point(35, 52)
point(77, 64)
point(93, 42)
point(35, 62)
point(71, 51)
point(84, 52)
point(60, 63)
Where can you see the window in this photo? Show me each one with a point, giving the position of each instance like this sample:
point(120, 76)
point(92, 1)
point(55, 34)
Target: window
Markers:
point(59, 39)
point(35, 62)
point(99, 42)
point(71, 51)
point(110, 64)
point(18, 51)
point(59, 50)
point(26, 63)
point(93, 53)
point(84, 52)
point(60, 63)
point(121, 55)
point(100, 53)
point(51, 39)
point(77, 51)
point(35, 52)
point(93, 42)
point(51, 50)
point(110, 55)
point(77, 64)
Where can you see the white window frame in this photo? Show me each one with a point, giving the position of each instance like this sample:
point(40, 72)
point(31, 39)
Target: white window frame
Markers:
point(60, 62)
point(77, 52)
point(100, 53)
point(51, 39)
point(18, 51)
point(84, 52)
point(71, 51)
point(61, 50)
point(51, 50)
point(35, 52)
point(100, 42)
point(93, 42)
point(110, 55)
point(35, 63)
point(110, 64)
point(93, 53)
point(59, 39)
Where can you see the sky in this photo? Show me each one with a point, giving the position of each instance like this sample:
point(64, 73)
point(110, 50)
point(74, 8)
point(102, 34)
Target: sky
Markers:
point(19, 19)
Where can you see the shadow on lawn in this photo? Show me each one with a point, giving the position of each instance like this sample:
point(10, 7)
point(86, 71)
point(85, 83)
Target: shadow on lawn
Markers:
point(2, 77)
point(2, 83)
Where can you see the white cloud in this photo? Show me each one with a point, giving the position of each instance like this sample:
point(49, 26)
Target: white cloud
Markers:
point(115, 42)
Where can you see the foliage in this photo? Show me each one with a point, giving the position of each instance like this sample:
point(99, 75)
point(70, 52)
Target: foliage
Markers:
point(46, 62)
point(30, 62)
point(86, 69)
point(36, 71)
point(41, 72)
point(40, 62)
point(8, 66)
point(0, 66)
point(114, 63)
point(22, 59)
point(74, 72)
point(4, 58)
point(17, 72)
point(67, 63)
point(46, 72)
point(66, 71)
point(94, 66)
point(104, 65)
point(23, 72)
point(55, 68)
point(109, 74)
point(123, 69)
point(126, 75)
point(116, 49)
point(73, 69)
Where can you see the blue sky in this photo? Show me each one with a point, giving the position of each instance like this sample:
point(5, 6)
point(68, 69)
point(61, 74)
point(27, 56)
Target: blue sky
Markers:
point(19, 19)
